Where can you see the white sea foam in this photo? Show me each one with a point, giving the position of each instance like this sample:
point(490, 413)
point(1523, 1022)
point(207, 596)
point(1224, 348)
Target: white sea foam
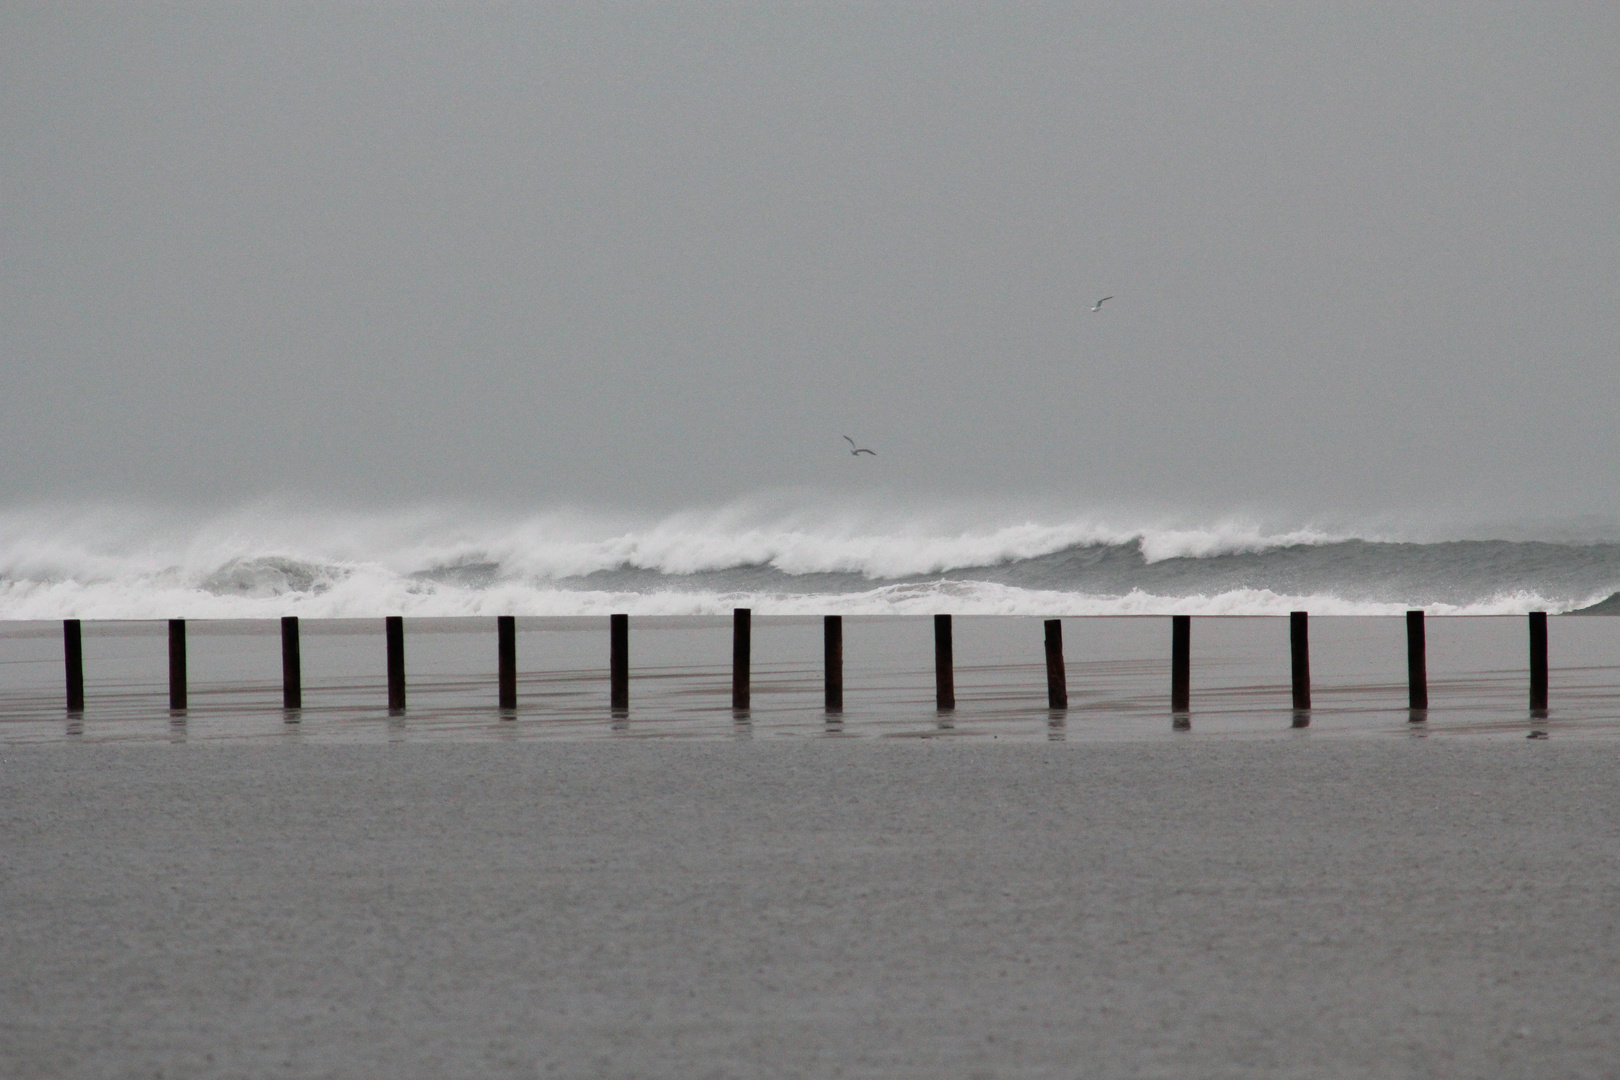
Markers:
point(368, 592)
point(265, 560)
point(107, 543)
point(1235, 538)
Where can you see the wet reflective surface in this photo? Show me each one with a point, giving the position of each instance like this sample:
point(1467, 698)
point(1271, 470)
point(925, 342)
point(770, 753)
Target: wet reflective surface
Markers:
point(1118, 678)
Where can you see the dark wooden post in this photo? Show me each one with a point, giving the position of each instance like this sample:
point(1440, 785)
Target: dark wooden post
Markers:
point(1299, 644)
point(177, 664)
point(832, 634)
point(741, 655)
point(619, 661)
point(1057, 679)
point(1417, 663)
point(1180, 663)
point(395, 627)
point(1538, 661)
point(73, 655)
point(506, 648)
point(944, 670)
point(292, 665)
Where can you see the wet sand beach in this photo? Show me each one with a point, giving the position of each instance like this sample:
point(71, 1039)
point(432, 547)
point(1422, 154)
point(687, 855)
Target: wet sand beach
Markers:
point(680, 680)
point(999, 891)
point(1225, 906)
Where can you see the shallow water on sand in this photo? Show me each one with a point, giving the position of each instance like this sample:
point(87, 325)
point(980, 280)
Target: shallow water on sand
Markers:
point(1118, 676)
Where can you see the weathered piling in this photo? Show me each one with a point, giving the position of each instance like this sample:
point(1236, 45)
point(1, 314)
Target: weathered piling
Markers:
point(1299, 647)
point(1057, 679)
point(506, 653)
point(1417, 664)
point(73, 657)
point(619, 662)
point(1538, 661)
point(742, 647)
point(292, 665)
point(394, 625)
point(177, 665)
point(1180, 663)
point(944, 670)
point(832, 636)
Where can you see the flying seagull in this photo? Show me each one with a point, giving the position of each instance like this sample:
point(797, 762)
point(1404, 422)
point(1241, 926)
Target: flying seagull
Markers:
point(1098, 305)
point(857, 451)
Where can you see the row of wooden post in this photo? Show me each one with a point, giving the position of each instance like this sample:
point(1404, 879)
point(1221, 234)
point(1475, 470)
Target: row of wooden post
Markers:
point(1057, 689)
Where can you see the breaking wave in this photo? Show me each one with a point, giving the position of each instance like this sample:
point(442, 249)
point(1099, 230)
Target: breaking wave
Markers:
point(262, 561)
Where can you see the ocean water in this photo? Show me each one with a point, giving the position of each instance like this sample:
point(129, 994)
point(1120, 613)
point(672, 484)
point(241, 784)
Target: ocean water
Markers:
point(232, 574)
point(110, 562)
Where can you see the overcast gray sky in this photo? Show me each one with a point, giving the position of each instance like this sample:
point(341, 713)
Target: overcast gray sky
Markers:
point(1366, 256)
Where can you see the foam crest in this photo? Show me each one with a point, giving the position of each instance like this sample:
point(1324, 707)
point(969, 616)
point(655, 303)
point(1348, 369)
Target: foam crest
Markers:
point(1234, 539)
point(107, 544)
point(370, 592)
point(267, 559)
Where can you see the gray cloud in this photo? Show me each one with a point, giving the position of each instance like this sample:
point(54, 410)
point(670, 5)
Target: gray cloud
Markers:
point(1366, 257)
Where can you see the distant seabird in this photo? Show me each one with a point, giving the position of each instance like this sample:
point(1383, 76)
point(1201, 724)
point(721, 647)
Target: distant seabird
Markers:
point(857, 451)
point(1098, 305)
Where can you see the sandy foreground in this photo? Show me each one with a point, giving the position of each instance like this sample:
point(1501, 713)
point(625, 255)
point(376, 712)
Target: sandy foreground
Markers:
point(911, 908)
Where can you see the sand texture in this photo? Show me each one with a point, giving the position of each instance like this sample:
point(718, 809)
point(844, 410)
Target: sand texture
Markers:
point(1409, 907)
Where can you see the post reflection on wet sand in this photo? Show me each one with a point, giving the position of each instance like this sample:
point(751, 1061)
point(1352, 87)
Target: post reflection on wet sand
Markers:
point(1002, 687)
